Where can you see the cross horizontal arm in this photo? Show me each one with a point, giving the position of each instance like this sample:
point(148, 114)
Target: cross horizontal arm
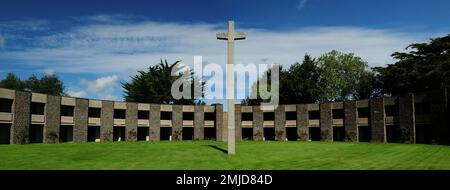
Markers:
point(239, 36)
point(224, 36)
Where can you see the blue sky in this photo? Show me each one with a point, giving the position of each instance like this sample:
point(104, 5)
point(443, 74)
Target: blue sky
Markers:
point(95, 45)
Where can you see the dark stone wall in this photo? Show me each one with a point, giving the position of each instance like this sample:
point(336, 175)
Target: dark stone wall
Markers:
point(238, 122)
point(439, 109)
point(131, 121)
point(377, 120)
point(280, 122)
point(407, 120)
point(155, 122)
point(302, 122)
point(80, 127)
point(107, 119)
point(199, 123)
point(22, 118)
point(326, 129)
point(177, 122)
point(446, 114)
point(219, 123)
point(351, 121)
point(258, 121)
point(52, 119)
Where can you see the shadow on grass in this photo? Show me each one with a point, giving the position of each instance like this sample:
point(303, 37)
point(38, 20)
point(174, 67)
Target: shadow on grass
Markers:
point(217, 148)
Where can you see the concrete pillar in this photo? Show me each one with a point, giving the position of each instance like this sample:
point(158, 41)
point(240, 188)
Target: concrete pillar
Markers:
point(155, 122)
point(326, 121)
point(351, 121)
point(107, 120)
point(302, 122)
point(238, 121)
point(377, 120)
point(199, 122)
point(131, 121)
point(177, 122)
point(219, 123)
point(280, 122)
point(407, 118)
point(21, 121)
point(80, 127)
point(258, 121)
point(52, 119)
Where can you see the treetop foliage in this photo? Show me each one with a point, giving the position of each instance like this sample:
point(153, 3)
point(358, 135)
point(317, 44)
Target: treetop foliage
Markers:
point(48, 84)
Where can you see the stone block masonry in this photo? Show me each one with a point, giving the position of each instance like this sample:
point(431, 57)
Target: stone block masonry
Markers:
point(302, 122)
point(238, 122)
point(107, 120)
point(351, 121)
point(177, 122)
point(280, 122)
point(199, 122)
point(219, 122)
point(52, 119)
point(258, 121)
point(21, 121)
point(131, 123)
point(326, 129)
point(377, 120)
point(155, 122)
point(407, 118)
point(80, 127)
point(422, 116)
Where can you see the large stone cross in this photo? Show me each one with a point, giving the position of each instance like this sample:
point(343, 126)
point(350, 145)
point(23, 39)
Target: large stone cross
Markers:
point(231, 36)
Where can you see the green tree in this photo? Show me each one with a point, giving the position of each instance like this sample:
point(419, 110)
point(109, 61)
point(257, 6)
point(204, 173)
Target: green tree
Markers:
point(298, 84)
point(343, 76)
point(12, 82)
point(254, 91)
point(154, 85)
point(369, 86)
point(425, 67)
point(48, 84)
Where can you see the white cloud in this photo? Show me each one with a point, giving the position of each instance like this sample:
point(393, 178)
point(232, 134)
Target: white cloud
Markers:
point(101, 85)
point(49, 71)
point(301, 4)
point(110, 97)
point(102, 46)
point(125, 48)
point(78, 94)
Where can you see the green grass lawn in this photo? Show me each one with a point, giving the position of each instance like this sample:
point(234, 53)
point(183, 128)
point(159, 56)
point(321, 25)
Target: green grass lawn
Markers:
point(201, 155)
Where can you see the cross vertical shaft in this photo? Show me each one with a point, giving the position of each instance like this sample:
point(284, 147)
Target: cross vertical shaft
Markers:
point(231, 36)
point(230, 90)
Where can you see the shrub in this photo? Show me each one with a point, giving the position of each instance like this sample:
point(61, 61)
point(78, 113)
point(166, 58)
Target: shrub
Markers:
point(258, 135)
point(350, 137)
point(132, 135)
point(107, 136)
point(303, 136)
point(176, 135)
point(52, 137)
point(279, 134)
point(405, 135)
point(324, 134)
point(21, 137)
